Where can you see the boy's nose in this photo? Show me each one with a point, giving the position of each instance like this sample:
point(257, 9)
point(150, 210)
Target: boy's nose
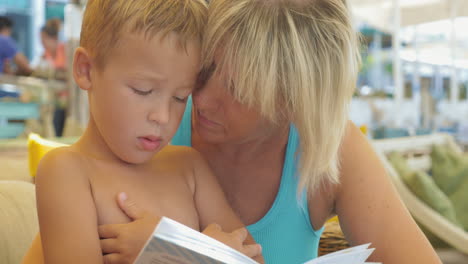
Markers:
point(160, 114)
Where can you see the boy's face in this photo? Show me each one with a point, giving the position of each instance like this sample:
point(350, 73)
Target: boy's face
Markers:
point(137, 100)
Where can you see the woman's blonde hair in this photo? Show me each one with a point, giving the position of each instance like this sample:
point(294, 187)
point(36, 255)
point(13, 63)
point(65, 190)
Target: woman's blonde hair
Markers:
point(294, 59)
point(106, 21)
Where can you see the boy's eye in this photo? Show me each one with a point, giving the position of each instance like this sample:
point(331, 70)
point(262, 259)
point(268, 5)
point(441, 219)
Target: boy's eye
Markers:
point(140, 92)
point(180, 99)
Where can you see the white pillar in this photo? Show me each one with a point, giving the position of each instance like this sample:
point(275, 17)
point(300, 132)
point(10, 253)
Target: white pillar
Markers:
point(416, 82)
point(454, 89)
point(397, 72)
point(38, 20)
point(376, 72)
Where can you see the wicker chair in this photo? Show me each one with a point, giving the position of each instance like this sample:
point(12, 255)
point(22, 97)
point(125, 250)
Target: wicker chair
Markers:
point(332, 238)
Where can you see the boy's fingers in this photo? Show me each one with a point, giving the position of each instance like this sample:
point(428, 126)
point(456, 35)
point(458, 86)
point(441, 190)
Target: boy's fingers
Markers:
point(212, 228)
point(108, 231)
point(111, 259)
point(129, 207)
point(109, 246)
point(252, 251)
point(240, 234)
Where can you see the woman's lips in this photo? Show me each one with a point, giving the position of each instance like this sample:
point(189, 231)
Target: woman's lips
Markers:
point(206, 122)
point(150, 143)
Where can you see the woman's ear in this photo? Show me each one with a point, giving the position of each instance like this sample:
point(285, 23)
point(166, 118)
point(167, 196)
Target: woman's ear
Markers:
point(82, 64)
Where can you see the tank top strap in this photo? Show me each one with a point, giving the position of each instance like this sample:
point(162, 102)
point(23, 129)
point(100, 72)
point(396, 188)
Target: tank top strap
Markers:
point(183, 136)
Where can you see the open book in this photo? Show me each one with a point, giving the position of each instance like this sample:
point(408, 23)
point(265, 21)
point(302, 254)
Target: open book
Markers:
point(175, 243)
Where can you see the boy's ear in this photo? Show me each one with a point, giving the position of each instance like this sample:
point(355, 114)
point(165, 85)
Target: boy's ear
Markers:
point(82, 64)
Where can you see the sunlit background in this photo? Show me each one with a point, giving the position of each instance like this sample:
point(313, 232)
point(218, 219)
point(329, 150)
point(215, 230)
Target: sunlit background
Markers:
point(413, 86)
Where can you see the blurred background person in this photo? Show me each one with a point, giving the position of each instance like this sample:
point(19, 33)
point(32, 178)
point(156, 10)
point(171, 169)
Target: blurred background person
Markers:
point(9, 52)
point(54, 50)
point(53, 65)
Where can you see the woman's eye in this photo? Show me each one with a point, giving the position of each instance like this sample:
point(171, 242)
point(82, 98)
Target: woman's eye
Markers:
point(140, 92)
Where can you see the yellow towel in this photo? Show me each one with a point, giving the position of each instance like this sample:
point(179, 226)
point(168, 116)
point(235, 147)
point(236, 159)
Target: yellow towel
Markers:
point(37, 148)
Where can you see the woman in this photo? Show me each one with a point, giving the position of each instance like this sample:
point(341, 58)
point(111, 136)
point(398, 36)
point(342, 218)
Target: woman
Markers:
point(54, 51)
point(55, 58)
point(270, 116)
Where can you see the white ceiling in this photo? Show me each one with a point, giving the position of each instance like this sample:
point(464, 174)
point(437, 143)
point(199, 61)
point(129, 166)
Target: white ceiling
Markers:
point(379, 13)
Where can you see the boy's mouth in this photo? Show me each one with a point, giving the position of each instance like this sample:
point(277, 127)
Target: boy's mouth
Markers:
point(150, 143)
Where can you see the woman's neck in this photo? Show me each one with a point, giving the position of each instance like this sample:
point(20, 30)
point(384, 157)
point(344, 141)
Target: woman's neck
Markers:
point(273, 142)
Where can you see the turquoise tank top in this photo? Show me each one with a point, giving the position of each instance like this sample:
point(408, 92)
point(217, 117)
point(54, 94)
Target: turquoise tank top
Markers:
point(285, 232)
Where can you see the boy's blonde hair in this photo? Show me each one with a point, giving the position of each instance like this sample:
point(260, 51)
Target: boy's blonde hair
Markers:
point(294, 59)
point(105, 21)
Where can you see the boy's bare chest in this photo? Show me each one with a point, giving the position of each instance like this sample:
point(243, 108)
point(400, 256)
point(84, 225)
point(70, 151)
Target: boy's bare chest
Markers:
point(161, 192)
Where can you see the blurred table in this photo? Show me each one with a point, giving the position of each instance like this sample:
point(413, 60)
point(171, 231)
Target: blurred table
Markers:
point(32, 110)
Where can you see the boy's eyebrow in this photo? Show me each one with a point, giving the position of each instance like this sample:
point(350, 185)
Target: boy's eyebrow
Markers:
point(159, 79)
point(186, 88)
point(141, 75)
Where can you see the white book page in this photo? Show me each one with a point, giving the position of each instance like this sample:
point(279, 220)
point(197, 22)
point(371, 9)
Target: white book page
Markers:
point(178, 243)
point(354, 255)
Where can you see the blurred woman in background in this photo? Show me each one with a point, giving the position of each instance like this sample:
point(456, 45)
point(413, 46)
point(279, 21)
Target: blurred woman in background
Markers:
point(54, 51)
point(54, 58)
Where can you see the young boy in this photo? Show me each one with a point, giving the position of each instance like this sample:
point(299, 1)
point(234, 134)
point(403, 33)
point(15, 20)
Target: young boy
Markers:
point(138, 60)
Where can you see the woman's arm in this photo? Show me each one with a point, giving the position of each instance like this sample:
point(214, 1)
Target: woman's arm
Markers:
point(67, 214)
point(370, 209)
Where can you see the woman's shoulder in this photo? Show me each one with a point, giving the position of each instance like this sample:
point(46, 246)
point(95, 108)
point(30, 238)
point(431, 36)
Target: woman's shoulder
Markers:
point(355, 147)
point(353, 153)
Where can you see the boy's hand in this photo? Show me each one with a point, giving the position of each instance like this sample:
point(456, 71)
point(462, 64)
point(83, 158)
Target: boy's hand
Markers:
point(235, 239)
point(121, 243)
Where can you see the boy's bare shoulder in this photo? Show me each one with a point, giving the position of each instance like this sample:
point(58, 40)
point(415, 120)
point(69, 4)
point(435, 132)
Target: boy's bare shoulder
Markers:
point(64, 155)
point(179, 154)
point(61, 162)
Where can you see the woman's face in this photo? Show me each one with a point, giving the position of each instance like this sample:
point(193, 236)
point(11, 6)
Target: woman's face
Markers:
point(219, 118)
point(49, 43)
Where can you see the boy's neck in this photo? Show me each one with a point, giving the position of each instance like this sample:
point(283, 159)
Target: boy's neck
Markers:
point(93, 145)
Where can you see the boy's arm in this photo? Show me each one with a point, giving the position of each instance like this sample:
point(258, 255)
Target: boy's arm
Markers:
point(211, 202)
point(67, 214)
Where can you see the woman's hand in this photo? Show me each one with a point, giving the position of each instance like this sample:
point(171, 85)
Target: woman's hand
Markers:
point(121, 243)
point(235, 239)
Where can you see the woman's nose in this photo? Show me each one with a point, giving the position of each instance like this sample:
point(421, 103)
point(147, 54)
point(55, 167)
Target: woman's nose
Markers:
point(207, 96)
